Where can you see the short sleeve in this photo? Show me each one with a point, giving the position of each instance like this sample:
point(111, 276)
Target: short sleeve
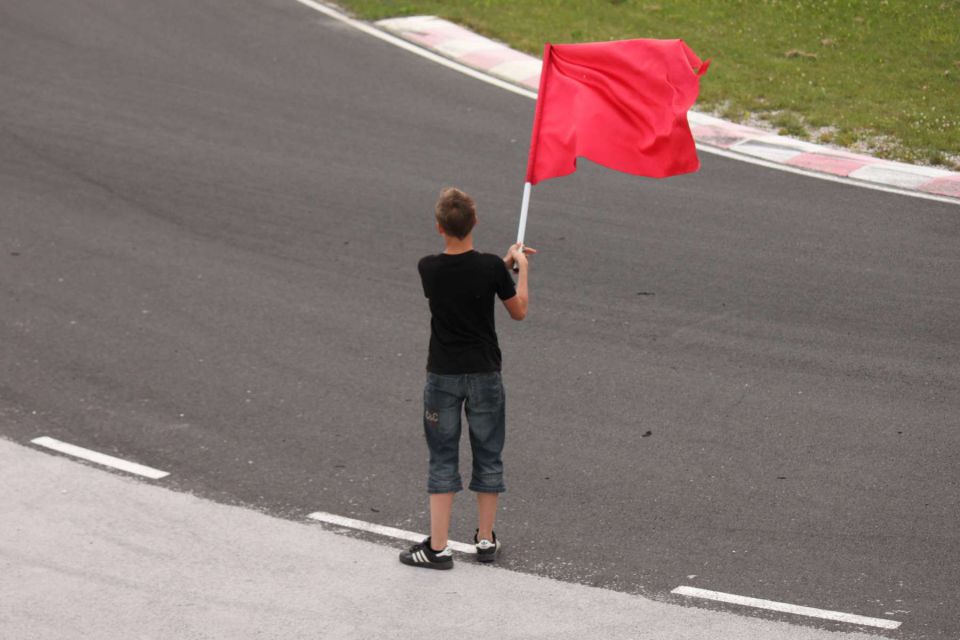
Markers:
point(506, 289)
point(422, 268)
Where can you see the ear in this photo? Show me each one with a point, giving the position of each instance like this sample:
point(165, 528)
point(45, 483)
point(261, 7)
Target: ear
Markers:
point(440, 230)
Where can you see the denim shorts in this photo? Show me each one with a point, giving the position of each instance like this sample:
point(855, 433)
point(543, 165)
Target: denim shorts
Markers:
point(480, 396)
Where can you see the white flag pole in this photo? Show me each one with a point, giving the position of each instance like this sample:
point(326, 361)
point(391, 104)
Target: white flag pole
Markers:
point(534, 137)
point(524, 206)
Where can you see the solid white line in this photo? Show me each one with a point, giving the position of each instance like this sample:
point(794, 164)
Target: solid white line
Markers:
point(718, 151)
point(783, 607)
point(379, 529)
point(420, 51)
point(100, 458)
point(479, 75)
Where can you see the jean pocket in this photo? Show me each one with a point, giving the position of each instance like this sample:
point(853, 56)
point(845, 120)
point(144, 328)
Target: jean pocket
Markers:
point(487, 392)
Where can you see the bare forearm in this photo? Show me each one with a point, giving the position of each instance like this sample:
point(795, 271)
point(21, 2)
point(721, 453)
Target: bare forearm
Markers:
point(523, 294)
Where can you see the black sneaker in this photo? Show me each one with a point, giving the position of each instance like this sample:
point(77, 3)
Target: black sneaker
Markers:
point(421, 555)
point(486, 550)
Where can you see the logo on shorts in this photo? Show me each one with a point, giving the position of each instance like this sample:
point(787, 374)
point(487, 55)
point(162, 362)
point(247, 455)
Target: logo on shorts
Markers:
point(432, 417)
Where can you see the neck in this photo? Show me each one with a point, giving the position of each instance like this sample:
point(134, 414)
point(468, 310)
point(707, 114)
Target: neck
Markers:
point(456, 245)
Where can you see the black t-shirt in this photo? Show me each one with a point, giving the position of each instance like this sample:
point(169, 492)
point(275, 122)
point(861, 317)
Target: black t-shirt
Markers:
point(463, 338)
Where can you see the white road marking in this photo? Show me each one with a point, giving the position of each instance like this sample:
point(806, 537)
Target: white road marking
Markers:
point(401, 534)
point(483, 77)
point(390, 532)
point(420, 51)
point(783, 607)
point(100, 458)
point(717, 151)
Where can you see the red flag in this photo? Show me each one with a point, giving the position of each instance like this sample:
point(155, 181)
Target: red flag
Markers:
point(622, 104)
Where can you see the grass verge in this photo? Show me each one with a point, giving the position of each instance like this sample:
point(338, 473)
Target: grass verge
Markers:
point(880, 76)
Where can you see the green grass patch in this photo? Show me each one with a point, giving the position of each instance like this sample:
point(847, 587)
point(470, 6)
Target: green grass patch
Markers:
point(881, 75)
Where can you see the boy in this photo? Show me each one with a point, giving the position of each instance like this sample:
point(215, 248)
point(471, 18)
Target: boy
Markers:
point(463, 372)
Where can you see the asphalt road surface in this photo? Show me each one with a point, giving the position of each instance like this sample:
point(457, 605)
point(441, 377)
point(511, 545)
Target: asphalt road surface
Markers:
point(210, 216)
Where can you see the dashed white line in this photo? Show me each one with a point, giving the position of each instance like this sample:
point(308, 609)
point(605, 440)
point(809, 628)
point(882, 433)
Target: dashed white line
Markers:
point(390, 532)
point(100, 458)
point(784, 607)
point(401, 534)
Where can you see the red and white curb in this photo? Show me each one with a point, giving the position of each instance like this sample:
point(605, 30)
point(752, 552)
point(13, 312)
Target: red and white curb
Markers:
point(497, 59)
point(467, 48)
